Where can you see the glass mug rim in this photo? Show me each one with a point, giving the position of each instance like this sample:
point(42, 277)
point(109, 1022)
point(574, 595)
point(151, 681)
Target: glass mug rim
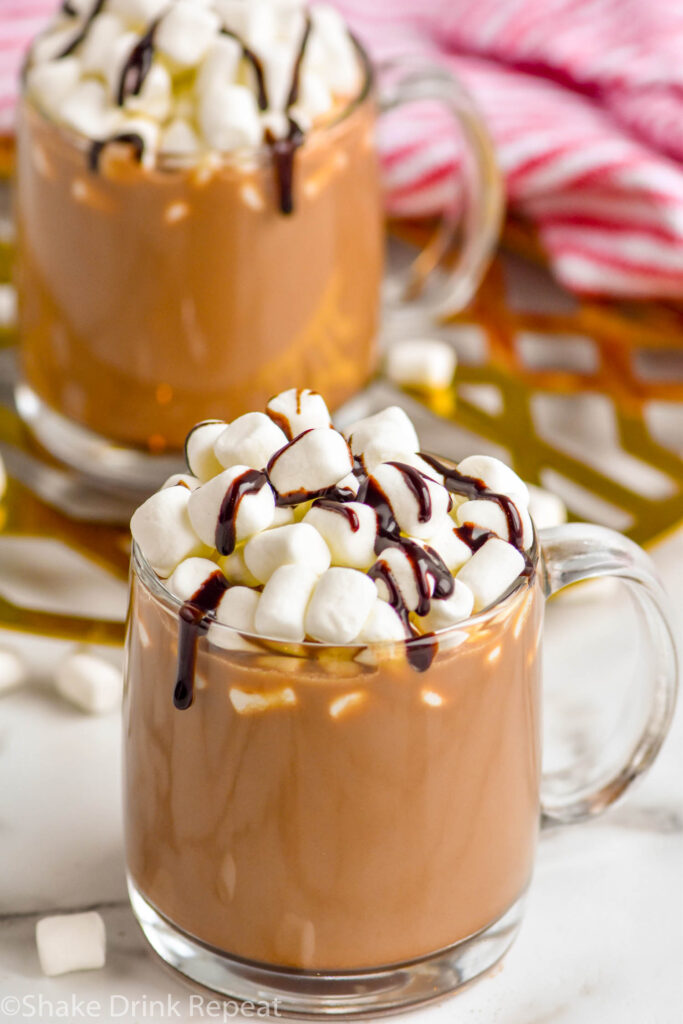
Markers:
point(261, 154)
point(141, 568)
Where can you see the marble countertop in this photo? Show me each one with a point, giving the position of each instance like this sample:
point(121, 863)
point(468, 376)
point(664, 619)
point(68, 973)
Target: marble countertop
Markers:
point(602, 942)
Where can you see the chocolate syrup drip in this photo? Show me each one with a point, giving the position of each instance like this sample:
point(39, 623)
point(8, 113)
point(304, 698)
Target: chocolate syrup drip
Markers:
point(474, 536)
point(293, 94)
point(82, 33)
point(69, 9)
point(257, 67)
point(341, 509)
point(130, 138)
point(248, 483)
point(137, 66)
point(195, 619)
point(471, 488)
point(284, 150)
point(418, 485)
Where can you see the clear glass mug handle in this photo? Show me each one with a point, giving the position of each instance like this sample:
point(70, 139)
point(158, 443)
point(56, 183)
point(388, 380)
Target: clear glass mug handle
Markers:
point(432, 286)
point(577, 552)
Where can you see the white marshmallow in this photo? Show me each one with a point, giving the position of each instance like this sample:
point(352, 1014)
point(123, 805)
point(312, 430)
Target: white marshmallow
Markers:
point(50, 83)
point(391, 426)
point(229, 118)
point(331, 51)
point(254, 512)
point(51, 44)
point(235, 569)
point(185, 32)
point(179, 139)
point(497, 476)
point(452, 550)
point(137, 11)
point(13, 670)
point(148, 132)
point(315, 98)
point(190, 575)
point(380, 452)
point(117, 53)
point(445, 611)
point(340, 605)
point(491, 571)
point(283, 516)
point(220, 64)
point(155, 96)
point(71, 942)
point(350, 482)
point(298, 409)
point(398, 491)
point(382, 624)
point(181, 480)
point(237, 608)
point(297, 544)
point(250, 440)
point(88, 681)
point(199, 454)
point(403, 576)
point(354, 548)
point(545, 508)
point(489, 515)
point(97, 46)
point(162, 529)
point(86, 110)
point(281, 610)
point(314, 460)
point(424, 363)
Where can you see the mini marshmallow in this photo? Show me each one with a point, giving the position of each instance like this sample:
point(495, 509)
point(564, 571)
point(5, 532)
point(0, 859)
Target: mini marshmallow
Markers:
point(314, 460)
point(396, 486)
point(148, 132)
point(382, 624)
point(88, 681)
point(423, 363)
point(331, 52)
point(50, 83)
point(187, 578)
point(250, 440)
point(446, 611)
point(137, 11)
point(298, 409)
point(340, 605)
point(181, 480)
point(545, 508)
point(284, 515)
point(349, 532)
point(95, 52)
point(155, 97)
point(199, 454)
point(13, 670)
point(281, 610)
point(491, 571)
point(315, 98)
point(391, 426)
point(234, 568)
point(498, 477)
point(85, 110)
point(50, 45)
point(116, 56)
point(350, 483)
point(297, 544)
point(254, 512)
point(489, 515)
point(220, 64)
point(229, 118)
point(179, 139)
point(71, 942)
point(453, 551)
point(379, 452)
point(237, 608)
point(403, 576)
point(185, 32)
point(162, 529)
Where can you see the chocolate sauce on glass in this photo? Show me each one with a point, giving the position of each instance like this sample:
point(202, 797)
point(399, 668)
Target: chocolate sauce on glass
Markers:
point(248, 483)
point(194, 621)
point(284, 150)
point(132, 139)
point(137, 66)
point(82, 33)
point(341, 509)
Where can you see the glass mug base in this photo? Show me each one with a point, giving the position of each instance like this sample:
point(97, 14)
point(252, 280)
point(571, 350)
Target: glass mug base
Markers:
point(315, 994)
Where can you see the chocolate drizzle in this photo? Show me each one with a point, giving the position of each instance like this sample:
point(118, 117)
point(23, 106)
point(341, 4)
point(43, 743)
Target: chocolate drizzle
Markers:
point(99, 145)
point(249, 482)
point(257, 66)
point(137, 66)
point(341, 509)
point(195, 619)
point(83, 31)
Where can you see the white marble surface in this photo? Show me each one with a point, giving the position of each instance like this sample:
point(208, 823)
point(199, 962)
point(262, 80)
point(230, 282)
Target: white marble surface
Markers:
point(602, 942)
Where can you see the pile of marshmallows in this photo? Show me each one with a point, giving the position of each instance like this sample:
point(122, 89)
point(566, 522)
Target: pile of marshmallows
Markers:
point(299, 570)
point(200, 94)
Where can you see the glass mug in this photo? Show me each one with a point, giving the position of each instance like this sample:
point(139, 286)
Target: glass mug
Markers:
point(151, 299)
point(335, 832)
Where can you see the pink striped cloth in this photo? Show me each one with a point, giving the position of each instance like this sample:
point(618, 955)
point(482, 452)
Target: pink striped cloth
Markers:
point(583, 98)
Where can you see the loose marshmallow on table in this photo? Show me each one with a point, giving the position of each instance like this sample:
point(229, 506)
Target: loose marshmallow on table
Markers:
point(397, 488)
point(298, 409)
point(314, 460)
point(349, 530)
point(71, 942)
point(340, 604)
point(250, 440)
point(162, 529)
point(88, 681)
point(402, 574)
point(498, 477)
point(491, 571)
point(545, 508)
point(187, 578)
point(425, 363)
point(255, 510)
point(391, 427)
point(13, 671)
point(489, 515)
point(296, 544)
point(446, 611)
point(281, 611)
point(199, 454)
point(383, 623)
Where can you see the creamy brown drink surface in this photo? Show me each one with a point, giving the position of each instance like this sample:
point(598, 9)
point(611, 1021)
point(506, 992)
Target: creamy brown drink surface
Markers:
point(332, 702)
point(158, 288)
